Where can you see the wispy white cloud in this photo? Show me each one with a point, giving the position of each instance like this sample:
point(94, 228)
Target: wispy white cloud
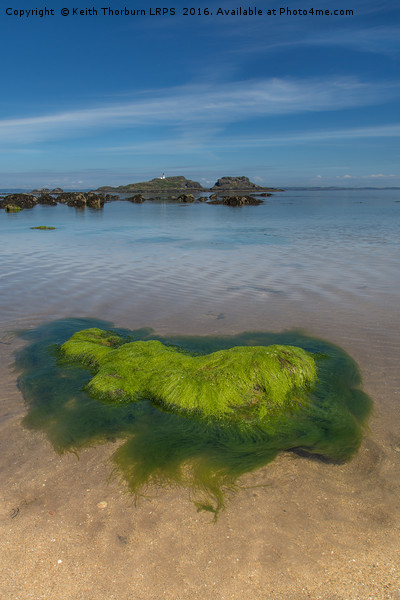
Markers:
point(379, 131)
point(384, 39)
point(184, 143)
point(378, 40)
point(196, 106)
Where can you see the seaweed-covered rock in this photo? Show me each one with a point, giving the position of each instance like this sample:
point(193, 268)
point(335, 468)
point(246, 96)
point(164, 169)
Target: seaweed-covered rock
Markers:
point(57, 190)
point(202, 199)
point(66, 197)
point(94, 200)
point(185, 198)
point(78, 200)
point(20, 200)
point(237, 201)
point(165, 440)
point(136, 199)
point(242, 385)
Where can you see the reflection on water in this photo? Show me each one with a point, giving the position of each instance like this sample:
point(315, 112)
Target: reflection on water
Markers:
point(171, 449)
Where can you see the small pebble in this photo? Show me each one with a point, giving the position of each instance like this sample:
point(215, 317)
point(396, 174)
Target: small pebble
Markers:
point(102, 505)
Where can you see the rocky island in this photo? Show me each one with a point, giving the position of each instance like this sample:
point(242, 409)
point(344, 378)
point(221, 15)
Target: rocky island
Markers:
point(180, 183)
point(239, 184)
point(159, 184)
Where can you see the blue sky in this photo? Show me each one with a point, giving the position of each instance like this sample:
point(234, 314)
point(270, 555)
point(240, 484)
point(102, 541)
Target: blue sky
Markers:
point(285, 99)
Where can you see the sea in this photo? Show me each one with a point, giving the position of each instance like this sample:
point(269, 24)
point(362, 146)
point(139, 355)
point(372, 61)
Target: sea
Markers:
point(305, 264)
point(301, 259)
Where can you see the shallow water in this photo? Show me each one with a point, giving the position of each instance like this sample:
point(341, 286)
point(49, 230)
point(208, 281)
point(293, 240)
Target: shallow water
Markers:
point(150, 263)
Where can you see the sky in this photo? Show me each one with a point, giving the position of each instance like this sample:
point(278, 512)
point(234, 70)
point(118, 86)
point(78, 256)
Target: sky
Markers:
point(290, 99)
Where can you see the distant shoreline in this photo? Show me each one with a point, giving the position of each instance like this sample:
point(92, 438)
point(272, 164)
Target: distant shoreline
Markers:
point(20, 190)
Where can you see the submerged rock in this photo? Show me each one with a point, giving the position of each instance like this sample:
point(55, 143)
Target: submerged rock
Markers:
point(241, 385)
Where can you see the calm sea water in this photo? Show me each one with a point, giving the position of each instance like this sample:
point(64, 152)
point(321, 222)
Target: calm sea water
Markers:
point(165, 264)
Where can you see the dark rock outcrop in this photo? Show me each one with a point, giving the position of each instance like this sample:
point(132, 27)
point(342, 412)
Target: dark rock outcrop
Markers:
point(81, 200)
point(57, 191)
point(20, 200)
point(237, 201)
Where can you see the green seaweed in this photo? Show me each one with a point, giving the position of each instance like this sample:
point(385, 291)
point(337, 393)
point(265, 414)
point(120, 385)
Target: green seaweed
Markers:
point(12, 208)
point(168, 442)
point(240, 384)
